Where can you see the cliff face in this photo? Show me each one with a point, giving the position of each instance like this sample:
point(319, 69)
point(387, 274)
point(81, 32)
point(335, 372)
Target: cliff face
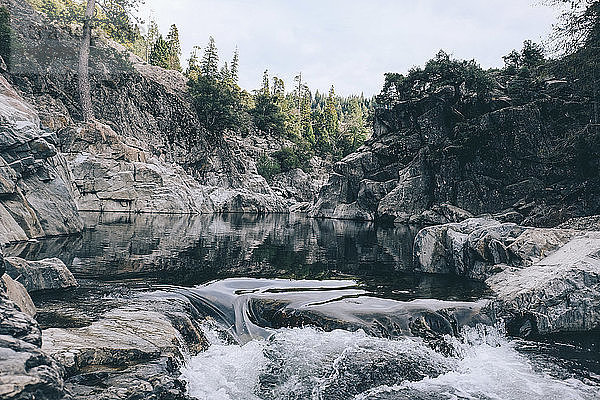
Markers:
point(147, 151)
point(481, 153)
point(36, 198)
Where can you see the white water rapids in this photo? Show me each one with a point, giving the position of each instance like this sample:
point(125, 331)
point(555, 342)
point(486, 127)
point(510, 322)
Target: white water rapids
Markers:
point(307, 363)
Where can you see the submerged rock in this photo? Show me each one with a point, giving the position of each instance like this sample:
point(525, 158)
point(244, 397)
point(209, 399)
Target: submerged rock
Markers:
point(48, 274)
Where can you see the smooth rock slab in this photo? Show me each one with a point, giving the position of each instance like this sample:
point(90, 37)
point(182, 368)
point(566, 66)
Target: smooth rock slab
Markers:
point(48, 274)
point(560, 293)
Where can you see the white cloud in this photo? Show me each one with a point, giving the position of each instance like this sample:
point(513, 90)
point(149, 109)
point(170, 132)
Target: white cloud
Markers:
point(351, 43)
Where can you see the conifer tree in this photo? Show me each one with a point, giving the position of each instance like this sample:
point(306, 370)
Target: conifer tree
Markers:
point(174, 48)
point(331, 114)
point(151, 38)
point(225, 74)
point(140, 45)
point(264, 90)
point(193, 63)
point(159, 55)
point(210, 61)
point(278, 89)
point(235, 65)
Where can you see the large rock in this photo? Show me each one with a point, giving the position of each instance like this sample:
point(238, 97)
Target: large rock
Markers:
point(463, 147)
point(133, 350)
point(48, 274)
point(558, 293)
point(545, 280)
point(26, 371)
point(17, 293)
point(35, 195)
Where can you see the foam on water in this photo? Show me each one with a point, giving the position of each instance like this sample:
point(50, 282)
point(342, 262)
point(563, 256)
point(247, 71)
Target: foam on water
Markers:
point(311, 364)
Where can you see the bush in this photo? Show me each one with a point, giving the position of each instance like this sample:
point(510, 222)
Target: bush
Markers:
point(293, 157)
point(268, 167)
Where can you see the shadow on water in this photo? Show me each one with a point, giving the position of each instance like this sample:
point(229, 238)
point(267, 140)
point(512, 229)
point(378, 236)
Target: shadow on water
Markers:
point(192, 250)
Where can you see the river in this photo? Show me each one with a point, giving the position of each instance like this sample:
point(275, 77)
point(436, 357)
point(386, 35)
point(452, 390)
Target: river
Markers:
point(295, 308)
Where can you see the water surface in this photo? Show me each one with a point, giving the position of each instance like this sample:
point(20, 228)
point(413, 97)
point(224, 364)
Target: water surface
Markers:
point(296, 308)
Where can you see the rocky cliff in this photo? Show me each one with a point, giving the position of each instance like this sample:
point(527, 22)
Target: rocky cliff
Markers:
point(146, 152)
point(456, 148)
point(36, 198)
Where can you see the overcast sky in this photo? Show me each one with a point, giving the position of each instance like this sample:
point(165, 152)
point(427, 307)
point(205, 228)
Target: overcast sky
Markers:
point(350, 43)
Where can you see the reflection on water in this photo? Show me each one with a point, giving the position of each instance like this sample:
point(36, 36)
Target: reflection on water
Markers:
point(189, 250)
point(361, 282)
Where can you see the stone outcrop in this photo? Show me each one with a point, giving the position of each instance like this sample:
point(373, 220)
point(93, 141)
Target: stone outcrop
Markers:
point(26, 371)
point(544, 280)
point(468, 149)
point(48, 274)
point(147, 152)
point(131, 351)
point(35, 194)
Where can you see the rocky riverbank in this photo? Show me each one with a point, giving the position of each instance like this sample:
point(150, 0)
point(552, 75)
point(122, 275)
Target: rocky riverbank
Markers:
point(544, 280)
point(134, 348)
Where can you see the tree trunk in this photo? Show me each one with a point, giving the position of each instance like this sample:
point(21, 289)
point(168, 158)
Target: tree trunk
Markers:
point(84, 57)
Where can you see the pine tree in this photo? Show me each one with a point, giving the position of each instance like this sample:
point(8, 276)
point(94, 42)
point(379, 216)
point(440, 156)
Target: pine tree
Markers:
point(235, 65)
point(225, 74)
point(140, 46)
point(264, 90)
point(278, 89)
point(159, 55)
point(151, 38)
point(331, 115)
point(174, 48)
point(193, 63)
point(210, 61)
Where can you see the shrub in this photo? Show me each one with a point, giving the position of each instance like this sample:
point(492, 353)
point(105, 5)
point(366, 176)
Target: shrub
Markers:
point(267, 167)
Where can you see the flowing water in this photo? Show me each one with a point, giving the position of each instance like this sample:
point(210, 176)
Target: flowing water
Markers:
point(303, 309)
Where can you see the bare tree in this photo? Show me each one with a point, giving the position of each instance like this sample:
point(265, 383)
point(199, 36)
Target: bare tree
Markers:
point(84, 58)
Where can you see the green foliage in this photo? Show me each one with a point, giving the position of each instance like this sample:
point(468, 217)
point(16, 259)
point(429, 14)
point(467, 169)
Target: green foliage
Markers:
point(440, 71)
point(220, 106)
point(174, 47)
point(159, 55)
point(528, 60)
point(5, 36)
point(235, 65)
point(290, 158)
point(579, 25)
point(209, 66)
point(267, 167)
point(267, 114)
point(220, 103)
point(112, 16)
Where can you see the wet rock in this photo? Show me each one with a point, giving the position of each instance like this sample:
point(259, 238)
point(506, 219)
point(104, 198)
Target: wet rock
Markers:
point(132, 350)
point(377, 317)
point(48, 274)
point(366, 367)
point(472, 248)
point(27, 372)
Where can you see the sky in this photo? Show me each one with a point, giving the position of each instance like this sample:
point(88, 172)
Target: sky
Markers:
point(350, 43)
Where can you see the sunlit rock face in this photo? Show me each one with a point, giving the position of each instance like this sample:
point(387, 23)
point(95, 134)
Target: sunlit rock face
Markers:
point(465, 149)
